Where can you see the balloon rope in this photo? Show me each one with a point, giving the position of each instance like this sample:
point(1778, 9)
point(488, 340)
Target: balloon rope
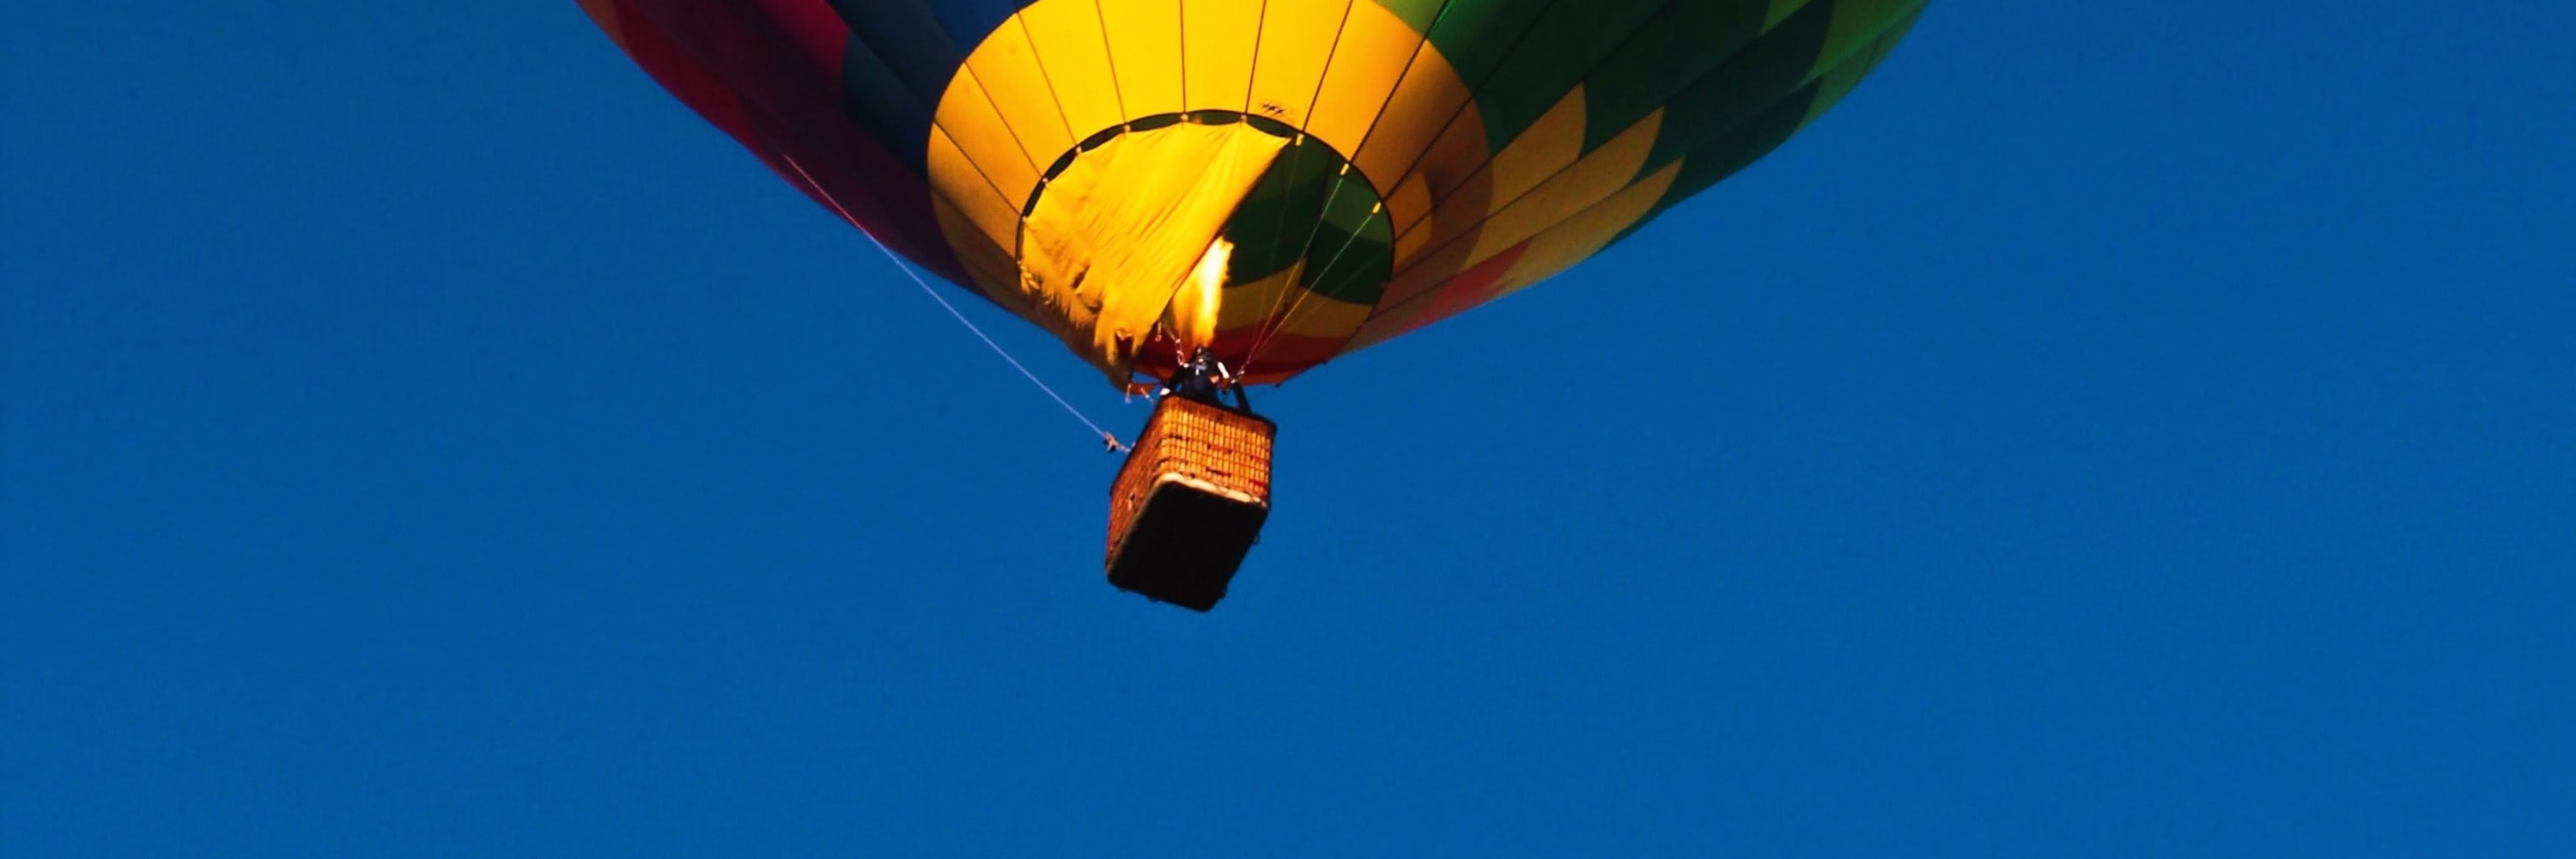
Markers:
point(933, 292)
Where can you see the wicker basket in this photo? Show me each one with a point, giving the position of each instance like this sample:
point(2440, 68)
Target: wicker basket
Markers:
point(1189, 502)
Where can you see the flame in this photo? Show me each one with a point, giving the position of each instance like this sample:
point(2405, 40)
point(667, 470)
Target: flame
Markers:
point(1194, 308)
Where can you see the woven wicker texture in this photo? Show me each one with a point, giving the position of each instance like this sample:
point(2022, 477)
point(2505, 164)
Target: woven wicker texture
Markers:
point(1214, 449)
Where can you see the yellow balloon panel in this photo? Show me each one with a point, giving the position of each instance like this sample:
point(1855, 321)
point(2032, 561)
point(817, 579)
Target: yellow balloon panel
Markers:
point(1298, 40)
point(1373, 51)
point(994, 218)
point(1569, 189)
point(1144, 43)
point(1073, 54)
point(1005, 71)
point(1219, 39)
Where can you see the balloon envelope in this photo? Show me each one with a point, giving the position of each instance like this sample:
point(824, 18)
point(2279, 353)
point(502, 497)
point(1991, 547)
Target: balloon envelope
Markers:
point(1356, 169)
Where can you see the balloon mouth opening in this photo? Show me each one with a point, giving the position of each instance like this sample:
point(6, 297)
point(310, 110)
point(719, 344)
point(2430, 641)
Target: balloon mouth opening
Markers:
point(1296, 266)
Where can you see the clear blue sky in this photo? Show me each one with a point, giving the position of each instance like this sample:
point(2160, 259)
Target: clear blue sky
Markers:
point(2119, 429)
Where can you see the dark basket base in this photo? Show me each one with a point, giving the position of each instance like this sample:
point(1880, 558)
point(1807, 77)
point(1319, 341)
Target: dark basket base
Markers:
point(1185, 546)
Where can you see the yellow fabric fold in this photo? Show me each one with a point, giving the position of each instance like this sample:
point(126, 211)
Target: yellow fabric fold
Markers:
point(1115, 235)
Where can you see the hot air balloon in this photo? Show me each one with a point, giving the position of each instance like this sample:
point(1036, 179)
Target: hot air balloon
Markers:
point(1208, 194)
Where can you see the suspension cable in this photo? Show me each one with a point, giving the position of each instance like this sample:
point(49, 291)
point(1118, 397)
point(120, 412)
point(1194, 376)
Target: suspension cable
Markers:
point(933, 292)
